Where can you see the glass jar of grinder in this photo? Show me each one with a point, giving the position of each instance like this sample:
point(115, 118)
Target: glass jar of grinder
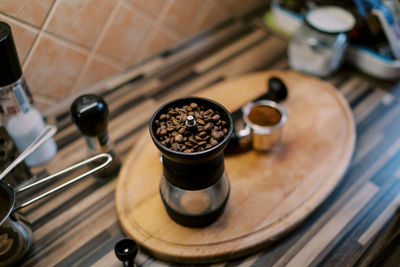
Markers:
point(194, 186)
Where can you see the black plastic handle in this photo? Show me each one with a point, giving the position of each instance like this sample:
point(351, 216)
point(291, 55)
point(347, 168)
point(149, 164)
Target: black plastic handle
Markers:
point(126, 250)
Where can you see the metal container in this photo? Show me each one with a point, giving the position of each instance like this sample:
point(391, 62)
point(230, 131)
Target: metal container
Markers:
point(15, 236)
point(319, 46)
point(264, 137)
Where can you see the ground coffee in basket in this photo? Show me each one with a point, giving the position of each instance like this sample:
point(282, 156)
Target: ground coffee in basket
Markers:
point(191, 128)
point(264, 116)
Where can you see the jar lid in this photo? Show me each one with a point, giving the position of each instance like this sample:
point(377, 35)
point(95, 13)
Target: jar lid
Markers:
point(10, 68)
point(330, 19)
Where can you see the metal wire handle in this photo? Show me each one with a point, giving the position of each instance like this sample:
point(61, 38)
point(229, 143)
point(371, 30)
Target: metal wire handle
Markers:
point(73, 180)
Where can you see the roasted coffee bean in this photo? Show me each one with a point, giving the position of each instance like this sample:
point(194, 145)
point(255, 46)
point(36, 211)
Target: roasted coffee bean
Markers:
point(208, 126)
point(178, 138)
point(191, 140)
point(209, 112)
point(202, 143)
point(189, 144)
point(182, 130)
point(175, 146)
point(213, 142)
point(197, 115)
point(215, 134)
point(200, 122)
point(216, 117)
point(183, 117)
point(193, 105)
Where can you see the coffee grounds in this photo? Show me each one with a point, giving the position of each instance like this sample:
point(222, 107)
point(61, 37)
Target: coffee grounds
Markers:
point(264, 116)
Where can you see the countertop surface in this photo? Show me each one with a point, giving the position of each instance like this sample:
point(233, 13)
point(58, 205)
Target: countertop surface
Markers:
point(356, 225)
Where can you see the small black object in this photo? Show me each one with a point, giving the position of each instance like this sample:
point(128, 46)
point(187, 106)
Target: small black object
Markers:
point(191, 124)
point(10, 67)
point(90, 113)
point(126, 250)
point(277, 90)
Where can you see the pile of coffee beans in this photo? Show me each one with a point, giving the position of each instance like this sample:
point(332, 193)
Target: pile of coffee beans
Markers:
point(176, 131)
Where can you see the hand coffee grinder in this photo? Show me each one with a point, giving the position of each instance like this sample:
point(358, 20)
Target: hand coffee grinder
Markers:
point(194, 186)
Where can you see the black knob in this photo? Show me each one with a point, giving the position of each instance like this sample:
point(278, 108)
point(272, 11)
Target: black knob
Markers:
point(90, 113)
point(277, 90)
point(126, 250)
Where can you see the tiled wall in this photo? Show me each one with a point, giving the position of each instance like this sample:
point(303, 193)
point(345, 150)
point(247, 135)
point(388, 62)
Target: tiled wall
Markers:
point(67, 45)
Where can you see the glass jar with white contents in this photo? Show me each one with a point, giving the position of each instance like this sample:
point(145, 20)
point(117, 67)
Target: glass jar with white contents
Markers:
point(18, 114)
point(319, 46)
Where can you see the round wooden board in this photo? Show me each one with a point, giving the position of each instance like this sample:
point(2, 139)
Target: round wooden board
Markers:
point(271, 193)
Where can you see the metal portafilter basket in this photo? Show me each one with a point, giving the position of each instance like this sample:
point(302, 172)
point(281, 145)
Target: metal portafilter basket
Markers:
point(194, 186)
point(263, 118)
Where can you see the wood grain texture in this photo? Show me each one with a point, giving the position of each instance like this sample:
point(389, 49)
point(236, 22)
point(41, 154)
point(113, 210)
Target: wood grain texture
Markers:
point(271, 193)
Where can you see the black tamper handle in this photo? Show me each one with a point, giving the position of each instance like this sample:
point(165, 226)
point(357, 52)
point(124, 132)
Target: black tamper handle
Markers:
point(126, 250)
point(90, 114)
point(277, 91)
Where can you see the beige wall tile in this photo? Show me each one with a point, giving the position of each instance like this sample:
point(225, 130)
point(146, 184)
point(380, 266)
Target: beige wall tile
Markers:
point(151, 7)
point(161, 40)
point(53, 68)
point(125, 36)
point(210, 17)
point(80, 21)
point(31, 11)
point(238, 6)
point(98, 70)
point(43, 103)
point(182, 15)
point(23, 37)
